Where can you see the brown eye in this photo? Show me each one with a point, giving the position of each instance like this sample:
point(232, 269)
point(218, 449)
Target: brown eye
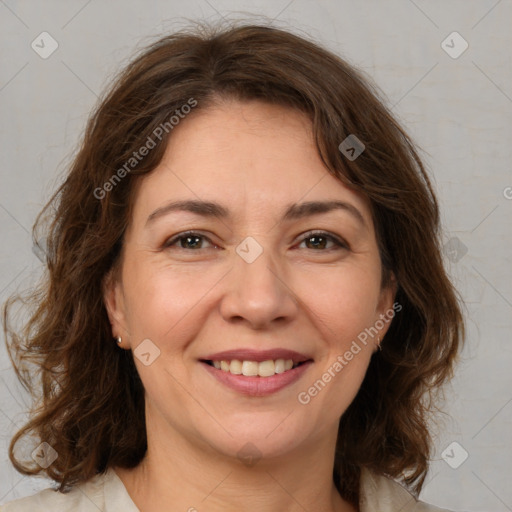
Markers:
point(189, 240)
point(320, 241)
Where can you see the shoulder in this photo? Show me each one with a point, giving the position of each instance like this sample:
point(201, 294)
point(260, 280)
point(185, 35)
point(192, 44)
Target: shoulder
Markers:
point(85, 497)
point(382, 494)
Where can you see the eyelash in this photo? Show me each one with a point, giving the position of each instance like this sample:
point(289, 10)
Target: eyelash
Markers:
point(341, 244)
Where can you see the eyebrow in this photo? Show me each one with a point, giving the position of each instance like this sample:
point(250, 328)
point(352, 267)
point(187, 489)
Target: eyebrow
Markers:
point(293, 212)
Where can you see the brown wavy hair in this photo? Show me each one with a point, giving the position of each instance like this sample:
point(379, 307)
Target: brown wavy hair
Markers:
point(89, 400)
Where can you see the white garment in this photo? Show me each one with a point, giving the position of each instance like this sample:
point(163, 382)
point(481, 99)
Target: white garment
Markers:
point(107, 493)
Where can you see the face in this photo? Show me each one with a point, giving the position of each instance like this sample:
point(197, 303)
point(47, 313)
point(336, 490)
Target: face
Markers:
point(251, 278)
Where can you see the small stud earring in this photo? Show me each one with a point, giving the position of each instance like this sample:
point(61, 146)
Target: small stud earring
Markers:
point(119, 340)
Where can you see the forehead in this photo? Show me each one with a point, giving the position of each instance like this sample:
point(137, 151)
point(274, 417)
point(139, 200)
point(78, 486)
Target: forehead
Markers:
point(249, 155)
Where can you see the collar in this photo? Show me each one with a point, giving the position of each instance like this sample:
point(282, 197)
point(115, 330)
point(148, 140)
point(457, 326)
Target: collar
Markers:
point(379, 493)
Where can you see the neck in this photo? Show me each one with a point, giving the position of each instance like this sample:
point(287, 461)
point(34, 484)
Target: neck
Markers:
point(191, 477)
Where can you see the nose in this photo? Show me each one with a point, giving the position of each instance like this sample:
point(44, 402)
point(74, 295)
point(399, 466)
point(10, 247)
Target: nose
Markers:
point(259, 293)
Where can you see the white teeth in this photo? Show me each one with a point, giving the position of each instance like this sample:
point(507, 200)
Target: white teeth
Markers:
point(235, 367)
point(279, 366)
point(266, 369)
point(253, 368)
point(250, 368)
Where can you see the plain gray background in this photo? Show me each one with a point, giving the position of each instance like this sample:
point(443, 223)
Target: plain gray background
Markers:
point(457, 107)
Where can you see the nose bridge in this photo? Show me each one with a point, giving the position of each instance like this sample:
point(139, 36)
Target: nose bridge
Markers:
point(256, 268)
point(255, 264)
point(257, 291)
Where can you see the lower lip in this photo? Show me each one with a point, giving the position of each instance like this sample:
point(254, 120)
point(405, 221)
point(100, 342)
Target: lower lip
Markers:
point(258, 386)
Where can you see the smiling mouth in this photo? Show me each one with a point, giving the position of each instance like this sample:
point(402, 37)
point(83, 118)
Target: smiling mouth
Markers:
point(262, 369)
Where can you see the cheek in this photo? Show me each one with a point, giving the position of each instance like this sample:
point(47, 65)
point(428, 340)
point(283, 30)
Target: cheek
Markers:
point(161, 300)
point(343, 304)
point(344, 301)
point(163, 305)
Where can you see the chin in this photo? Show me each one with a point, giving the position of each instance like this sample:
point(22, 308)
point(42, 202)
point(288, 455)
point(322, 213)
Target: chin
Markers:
point(259, 435)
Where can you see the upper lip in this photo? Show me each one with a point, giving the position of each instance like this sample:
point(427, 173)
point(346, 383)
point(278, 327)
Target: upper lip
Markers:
point(258, 355)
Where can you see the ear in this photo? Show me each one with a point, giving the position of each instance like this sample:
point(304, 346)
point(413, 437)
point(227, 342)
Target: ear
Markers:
point(387, 307)
point(113, 298)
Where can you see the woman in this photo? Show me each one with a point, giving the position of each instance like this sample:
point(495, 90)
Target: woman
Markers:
point(245, 306)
